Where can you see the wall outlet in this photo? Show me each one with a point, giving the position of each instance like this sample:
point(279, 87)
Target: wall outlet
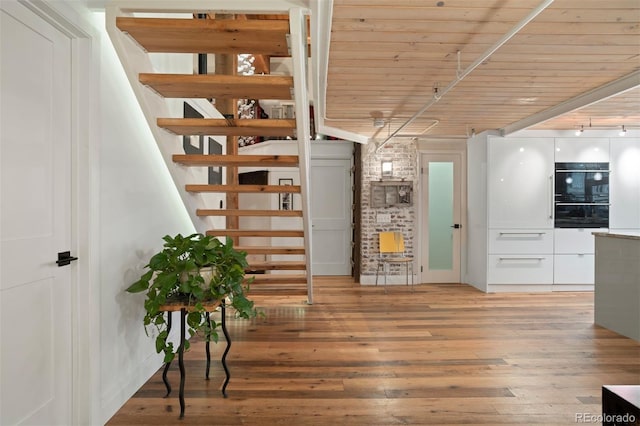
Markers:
point(383, 218)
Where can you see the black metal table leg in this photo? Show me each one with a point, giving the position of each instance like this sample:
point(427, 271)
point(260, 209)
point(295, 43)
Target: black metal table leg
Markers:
point(180, 351)
point(226, 351)
point(207, 350)
point(183, 314)
point(167, 364)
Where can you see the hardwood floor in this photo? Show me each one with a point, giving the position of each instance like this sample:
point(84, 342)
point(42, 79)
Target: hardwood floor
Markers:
point(440, 354)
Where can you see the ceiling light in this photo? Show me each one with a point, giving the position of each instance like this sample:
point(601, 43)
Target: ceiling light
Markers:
point(378, 123)
point(623, 132)
point(580, 131)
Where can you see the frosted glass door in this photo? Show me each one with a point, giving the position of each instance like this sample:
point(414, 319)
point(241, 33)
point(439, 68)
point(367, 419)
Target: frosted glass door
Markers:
point(440, 215)
point(441, 218)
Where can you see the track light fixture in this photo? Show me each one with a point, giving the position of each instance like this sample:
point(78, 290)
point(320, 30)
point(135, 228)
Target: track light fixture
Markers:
point(622, 129)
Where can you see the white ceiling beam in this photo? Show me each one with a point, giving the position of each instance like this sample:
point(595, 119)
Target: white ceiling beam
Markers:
point(613, 88)
point(219, 6)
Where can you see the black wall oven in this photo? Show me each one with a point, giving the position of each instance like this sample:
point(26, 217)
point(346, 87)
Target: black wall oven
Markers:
point(582, 195)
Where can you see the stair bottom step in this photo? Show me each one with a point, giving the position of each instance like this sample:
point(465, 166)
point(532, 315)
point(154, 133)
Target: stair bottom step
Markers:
point(277, 279)
point(279, 290)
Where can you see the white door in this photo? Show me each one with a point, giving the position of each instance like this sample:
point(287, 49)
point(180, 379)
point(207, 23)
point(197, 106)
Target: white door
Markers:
point(35, 220)
point(441, 185)
point(331, 216)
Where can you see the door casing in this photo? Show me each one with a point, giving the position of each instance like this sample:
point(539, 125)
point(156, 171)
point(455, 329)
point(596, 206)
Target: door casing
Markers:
point(427, 151)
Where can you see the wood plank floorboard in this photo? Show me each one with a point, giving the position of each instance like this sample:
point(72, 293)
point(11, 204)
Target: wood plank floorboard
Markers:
point(362, 355)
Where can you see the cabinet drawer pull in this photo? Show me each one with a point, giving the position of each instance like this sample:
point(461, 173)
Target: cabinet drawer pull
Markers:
point(539, 259)
point(522, 233)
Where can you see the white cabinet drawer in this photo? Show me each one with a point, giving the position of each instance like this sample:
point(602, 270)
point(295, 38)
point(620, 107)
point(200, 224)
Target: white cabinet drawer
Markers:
point(529, 241)
point(520, 269)
point(573, 269)
point(575, 241)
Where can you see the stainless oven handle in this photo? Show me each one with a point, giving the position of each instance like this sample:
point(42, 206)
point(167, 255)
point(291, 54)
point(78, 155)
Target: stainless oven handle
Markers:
point(582, 171)
point(583, 204)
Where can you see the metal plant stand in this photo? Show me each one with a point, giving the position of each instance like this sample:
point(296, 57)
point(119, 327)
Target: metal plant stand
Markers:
point(183, 314)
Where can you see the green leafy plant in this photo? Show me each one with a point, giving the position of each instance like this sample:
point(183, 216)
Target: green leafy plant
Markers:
point(193, 271)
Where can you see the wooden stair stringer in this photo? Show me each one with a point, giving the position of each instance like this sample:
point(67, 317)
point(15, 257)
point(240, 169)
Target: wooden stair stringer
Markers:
point(135, 61)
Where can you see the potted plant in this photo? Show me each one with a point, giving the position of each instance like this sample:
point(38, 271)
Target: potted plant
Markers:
point(194, 271)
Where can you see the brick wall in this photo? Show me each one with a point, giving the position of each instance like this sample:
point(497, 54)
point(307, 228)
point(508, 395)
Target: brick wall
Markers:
point(404, 155)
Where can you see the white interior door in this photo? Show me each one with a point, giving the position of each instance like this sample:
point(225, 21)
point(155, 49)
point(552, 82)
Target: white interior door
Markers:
point(35, 220)
point(331, 216)
point(441, 185)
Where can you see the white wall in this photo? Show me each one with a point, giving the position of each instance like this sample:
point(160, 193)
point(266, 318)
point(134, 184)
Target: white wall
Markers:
point(138, 204)
point(476, 268)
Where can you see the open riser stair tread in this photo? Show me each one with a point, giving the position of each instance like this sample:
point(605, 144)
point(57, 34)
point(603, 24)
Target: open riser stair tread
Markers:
point(236, 160)
point(292, 233)
point(293, 250)
point(229, 127)
point(271, 189)
point(277, 278)
point(170, 35)
point(297, 289)
point(236, 212)
point(219, 86)
point(282, 265)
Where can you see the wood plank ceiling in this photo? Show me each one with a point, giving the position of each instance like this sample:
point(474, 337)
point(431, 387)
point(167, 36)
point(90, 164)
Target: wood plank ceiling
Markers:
point(388, 56)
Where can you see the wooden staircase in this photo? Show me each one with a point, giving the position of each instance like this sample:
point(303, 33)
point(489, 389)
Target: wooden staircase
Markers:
point(278, 269)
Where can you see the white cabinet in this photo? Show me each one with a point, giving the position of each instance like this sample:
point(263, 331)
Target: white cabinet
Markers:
point(582, 150)
point(521, 256)
point(520, 197)
point(624, 183)
point(520, 183)
point(541, 256)
point(573, 262)
point(575, 241)
point(520, 269)
point(573, 269)
point(513, 237)
point(526, 241)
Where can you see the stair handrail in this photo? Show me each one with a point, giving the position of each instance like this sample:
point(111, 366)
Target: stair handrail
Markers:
point(299, 57)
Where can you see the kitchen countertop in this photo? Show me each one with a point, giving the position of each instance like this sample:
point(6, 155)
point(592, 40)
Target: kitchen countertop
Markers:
point(626, 235)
